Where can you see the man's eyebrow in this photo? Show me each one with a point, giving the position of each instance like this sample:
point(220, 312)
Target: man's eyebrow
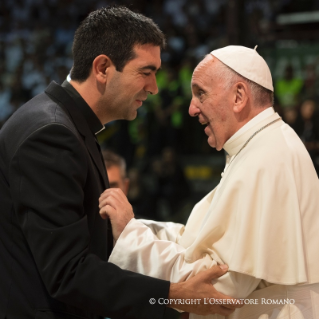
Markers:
point(149, 67)
point(196, 86)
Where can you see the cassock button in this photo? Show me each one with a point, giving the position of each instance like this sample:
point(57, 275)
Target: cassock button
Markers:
point(222, 174)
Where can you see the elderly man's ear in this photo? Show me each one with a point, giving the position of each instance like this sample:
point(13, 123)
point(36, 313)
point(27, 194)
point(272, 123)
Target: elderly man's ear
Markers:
point(241, 95)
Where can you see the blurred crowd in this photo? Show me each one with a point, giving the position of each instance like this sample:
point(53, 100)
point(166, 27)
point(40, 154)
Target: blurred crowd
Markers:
point(36, 39)
point(297, 101)
point(35, 48)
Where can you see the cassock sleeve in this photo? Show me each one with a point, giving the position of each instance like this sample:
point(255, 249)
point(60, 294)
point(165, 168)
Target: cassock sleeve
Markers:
point(48, 174)
point(152, 250)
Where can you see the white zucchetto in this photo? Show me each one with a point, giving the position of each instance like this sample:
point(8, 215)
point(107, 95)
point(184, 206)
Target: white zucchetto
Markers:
point(247, 62)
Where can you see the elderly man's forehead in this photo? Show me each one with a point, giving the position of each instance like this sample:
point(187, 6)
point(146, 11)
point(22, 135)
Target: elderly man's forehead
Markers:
point(206, 62)
point(204, 67)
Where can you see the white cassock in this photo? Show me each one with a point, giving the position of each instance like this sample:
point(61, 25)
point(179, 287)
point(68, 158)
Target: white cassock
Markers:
point(261, 220)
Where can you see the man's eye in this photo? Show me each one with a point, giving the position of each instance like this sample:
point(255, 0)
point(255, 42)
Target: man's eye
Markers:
point(147, 73)
point(200, 93)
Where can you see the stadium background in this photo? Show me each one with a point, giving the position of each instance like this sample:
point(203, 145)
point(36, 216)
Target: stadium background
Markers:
point(169, 161)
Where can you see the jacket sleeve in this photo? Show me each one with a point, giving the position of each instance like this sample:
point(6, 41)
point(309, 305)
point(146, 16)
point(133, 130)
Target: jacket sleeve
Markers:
point(47, 174)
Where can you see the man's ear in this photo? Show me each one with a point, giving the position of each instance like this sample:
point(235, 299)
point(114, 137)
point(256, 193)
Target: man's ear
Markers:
point(101, 68)
point(241, 96)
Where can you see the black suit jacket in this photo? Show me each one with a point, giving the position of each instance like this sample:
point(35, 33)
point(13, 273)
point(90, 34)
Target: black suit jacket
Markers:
point(53, 243)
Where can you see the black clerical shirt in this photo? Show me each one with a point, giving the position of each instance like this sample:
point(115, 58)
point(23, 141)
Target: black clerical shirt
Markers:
point(92, 120)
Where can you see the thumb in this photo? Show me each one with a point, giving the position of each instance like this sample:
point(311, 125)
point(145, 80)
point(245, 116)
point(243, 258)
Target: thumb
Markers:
point(215, 272)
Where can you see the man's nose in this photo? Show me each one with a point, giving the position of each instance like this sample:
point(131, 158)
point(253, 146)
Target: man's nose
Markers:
point(193, 109)
point(151, 86)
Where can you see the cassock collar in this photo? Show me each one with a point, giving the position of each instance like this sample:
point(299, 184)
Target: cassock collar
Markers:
point(92, 120)
point(234, 144)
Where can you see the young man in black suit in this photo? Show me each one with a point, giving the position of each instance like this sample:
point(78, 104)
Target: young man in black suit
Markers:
point(54, 246)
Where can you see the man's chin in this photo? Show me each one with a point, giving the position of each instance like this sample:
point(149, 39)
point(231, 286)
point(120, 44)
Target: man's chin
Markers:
point(132, 117)
point(211, 143)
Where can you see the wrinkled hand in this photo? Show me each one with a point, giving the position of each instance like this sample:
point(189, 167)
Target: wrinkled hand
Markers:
point(200, 287)
point(114, 204)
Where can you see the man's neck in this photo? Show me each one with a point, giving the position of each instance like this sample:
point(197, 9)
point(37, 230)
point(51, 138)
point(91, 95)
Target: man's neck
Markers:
point(88, 93)
point(254, 118)
point(243, 118)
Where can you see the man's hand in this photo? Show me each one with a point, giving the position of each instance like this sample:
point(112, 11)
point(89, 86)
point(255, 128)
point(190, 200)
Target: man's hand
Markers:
point(200, 287)
point(114, 204)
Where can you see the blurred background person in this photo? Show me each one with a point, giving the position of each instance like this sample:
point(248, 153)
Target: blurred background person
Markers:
point(288, 89)
point(116, 170)
point(131, 184)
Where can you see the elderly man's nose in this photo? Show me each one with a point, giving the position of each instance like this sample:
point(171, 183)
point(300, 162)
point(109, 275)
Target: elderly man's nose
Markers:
point(193, 109)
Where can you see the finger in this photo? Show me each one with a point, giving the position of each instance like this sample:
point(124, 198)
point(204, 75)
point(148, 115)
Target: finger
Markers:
point(104, 191)
point(104, 198)
point(101, 202)
point(107, 211)
point(113, 190)
point(104, 202)
point(109, 191)
point(117, 193)
point(113, 198)
point(215, 272)
point(116, 203)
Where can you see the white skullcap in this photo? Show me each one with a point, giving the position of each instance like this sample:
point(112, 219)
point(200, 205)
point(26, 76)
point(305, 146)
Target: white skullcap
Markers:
point(247, 62)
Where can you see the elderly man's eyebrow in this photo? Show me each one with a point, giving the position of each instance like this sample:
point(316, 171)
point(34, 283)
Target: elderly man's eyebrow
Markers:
point(196, 86)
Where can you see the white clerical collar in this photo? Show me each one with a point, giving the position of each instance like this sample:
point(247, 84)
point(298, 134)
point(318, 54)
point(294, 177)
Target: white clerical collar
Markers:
point(258, 118)
point(232, 145)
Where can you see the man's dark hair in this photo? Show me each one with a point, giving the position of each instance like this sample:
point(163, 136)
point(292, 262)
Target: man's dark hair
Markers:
point(112, 31)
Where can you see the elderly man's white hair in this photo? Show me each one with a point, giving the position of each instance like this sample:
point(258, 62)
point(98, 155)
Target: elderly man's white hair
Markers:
point(260, 95)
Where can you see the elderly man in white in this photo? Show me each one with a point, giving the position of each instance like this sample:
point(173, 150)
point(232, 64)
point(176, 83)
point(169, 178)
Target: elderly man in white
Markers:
point(262, 218)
